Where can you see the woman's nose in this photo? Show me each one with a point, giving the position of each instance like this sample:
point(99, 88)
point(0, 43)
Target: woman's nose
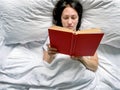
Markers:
point(69, 21)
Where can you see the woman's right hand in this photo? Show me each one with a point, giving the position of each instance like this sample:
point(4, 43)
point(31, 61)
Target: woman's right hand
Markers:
point(51, 51)
point(50, 54)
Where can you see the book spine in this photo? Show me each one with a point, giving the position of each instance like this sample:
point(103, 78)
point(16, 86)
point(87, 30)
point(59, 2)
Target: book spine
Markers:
point(74, 45)
point(73, 42)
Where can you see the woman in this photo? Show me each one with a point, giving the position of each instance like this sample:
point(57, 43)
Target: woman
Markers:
point(68, 13)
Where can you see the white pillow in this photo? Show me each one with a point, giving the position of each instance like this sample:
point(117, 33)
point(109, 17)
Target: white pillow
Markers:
point(25, 20)
point(104, 14)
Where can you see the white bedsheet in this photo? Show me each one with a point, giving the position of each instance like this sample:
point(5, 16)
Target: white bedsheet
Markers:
point(23, 69)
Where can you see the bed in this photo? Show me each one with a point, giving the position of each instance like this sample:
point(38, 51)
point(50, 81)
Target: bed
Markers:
point(23, 33)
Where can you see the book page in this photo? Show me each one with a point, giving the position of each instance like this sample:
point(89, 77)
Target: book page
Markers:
point(89, 31)
point(58, 28)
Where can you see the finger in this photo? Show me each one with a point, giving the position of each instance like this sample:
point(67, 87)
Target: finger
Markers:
point(53, 49)
point(48, 45)
point(74, 58)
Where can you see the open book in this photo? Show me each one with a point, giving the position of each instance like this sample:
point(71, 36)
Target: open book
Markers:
point(75, 43)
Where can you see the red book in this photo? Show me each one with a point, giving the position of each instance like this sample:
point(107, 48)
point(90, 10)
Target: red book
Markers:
point(75, 43)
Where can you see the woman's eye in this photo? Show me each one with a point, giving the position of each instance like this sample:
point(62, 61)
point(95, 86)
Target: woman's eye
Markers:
point(74, 17)
point(65, 18)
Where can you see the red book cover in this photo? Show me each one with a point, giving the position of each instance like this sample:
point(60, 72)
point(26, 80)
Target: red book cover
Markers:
point(79, 43)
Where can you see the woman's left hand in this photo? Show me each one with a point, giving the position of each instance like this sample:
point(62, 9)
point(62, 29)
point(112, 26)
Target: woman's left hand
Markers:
point(90, 62)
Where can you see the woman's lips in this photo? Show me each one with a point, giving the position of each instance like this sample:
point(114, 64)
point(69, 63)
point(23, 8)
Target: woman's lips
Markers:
point(70, 27)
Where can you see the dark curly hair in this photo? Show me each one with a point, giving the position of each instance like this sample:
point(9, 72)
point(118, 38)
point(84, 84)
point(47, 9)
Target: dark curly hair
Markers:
point(61, 5)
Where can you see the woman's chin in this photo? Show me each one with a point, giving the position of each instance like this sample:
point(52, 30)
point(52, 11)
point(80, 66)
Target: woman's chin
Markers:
point(71, 28)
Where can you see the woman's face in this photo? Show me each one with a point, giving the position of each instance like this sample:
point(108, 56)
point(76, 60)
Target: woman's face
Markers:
point(69, 18)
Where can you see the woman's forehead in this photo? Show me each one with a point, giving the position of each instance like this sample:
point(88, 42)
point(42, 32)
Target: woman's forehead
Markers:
point(69, 11)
